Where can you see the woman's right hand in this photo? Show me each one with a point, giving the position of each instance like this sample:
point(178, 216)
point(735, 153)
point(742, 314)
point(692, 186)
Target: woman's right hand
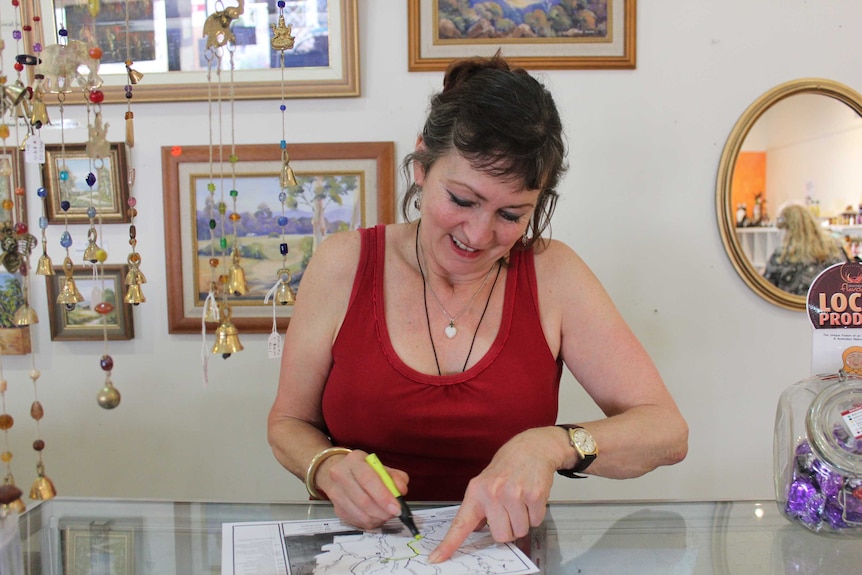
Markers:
point(356, 491)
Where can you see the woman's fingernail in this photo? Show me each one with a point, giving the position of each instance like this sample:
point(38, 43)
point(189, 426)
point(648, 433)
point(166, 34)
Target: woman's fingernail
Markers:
point(434, 557)
point(394, 509)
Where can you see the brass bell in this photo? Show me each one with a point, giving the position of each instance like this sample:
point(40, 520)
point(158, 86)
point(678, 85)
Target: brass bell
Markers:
point(227, 336)
point(11, 95)
point(284, 294)
point(108, 397)
point(24, 316)
point(134, 279)
point(134, 76)
point(38, 111)
point(44, 267)
point(69, 295)
point(236, 279)
point(43, 488)
point(18, 506)
point(288, 177)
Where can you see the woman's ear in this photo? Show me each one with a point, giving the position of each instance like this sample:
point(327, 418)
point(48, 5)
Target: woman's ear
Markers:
point(418, 168)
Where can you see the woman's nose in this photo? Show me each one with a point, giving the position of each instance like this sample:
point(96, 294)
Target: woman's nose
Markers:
point(479, 231)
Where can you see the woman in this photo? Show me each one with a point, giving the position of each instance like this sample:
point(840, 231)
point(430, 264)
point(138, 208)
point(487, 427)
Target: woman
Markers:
point(439, 343)
point(806, 250)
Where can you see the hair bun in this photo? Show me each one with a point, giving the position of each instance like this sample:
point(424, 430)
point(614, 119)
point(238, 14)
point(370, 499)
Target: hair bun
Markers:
point(461, 71)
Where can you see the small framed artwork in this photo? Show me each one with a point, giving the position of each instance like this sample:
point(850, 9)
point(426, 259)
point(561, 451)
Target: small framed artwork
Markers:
point(13, 158)
point(14, 340)
point(552, 35)
point(339, 186)
point(64, 175)
point(83, 323)
point(98, 548)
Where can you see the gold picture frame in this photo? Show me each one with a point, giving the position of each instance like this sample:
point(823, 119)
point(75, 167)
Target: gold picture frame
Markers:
point(589, 39)
point(335, 34)
point(98, 547)
point(109, 195)
point(187, 175)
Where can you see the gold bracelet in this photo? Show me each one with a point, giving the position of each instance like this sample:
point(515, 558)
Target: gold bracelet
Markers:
point(316, 461)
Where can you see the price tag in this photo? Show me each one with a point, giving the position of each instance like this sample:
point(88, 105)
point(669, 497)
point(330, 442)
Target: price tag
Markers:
point(853, 420)
point(34, 150)
point(273, 345)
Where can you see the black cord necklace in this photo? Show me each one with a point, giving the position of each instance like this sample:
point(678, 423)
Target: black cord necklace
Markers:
point(428, 318)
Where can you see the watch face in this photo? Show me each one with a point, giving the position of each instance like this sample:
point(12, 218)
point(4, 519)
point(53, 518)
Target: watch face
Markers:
point(584, 441)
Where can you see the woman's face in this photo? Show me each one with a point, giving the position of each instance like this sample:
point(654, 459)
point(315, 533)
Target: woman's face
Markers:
point(470, 219)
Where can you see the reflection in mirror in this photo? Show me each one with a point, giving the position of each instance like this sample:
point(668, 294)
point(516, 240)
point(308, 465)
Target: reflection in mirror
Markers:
point(788, 197)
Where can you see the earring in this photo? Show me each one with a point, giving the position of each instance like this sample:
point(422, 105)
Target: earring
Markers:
point(524, 239)
point(417, 200)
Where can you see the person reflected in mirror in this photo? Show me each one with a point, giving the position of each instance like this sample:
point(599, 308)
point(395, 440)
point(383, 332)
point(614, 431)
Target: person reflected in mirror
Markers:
point(439, 343)
point(807, 248)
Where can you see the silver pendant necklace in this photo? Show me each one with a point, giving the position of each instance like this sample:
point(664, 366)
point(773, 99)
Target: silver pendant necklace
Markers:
point(450, 330)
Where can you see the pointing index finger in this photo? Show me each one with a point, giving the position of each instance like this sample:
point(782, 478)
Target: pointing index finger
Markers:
point(465, 522)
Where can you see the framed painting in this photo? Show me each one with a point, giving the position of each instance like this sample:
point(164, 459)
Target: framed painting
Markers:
point(64, 175)
point(340, 186)
point(11, 159)
point(179, 50)
point(83, 323)
point(14, 340)
point(550, 35)
point(98, 547)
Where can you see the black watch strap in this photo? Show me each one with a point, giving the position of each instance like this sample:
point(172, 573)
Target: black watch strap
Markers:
point(585, 461)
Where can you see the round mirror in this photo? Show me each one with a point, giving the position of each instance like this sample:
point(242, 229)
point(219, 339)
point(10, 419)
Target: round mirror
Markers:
point(799, 144)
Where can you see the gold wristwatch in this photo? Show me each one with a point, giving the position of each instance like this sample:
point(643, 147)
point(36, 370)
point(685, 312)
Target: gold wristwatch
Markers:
point(585, 446)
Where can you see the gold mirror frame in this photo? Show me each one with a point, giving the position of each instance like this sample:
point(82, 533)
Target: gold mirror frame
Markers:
point(724, 209)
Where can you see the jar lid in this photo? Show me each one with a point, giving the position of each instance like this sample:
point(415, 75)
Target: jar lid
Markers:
point(834, 426)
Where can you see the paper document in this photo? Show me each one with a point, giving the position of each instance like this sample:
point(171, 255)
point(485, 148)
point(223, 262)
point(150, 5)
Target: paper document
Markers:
point(330, 547)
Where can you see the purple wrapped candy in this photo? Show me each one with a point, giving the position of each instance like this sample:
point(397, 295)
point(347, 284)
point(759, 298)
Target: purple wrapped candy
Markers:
point(829, 482)
point(801, 499)
point(834, 514)
point(852, 508)
point(804, 458)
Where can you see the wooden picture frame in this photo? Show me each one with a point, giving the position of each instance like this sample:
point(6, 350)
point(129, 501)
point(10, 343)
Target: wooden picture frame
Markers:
point(586, 40)
point(83, 323)
point(9, 183)
point(169, 49)
point(188, 173)
point(109, 194)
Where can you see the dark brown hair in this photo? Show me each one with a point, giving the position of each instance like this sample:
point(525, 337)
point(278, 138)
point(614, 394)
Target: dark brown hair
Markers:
point(501, 120)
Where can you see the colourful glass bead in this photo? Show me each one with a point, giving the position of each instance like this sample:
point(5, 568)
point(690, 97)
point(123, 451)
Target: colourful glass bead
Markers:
point(6, 456)
point(282, 221)
point(211, 187)
point(234, 193)
point(283, 144)
point(282, 108)
point(133, 242)
point(214, 262)
point(64, 175)
point(282, 196)
point(66, 239)
point(15, 3)
point(3, 385)
point(4, 131)
point(43, 223)
point(63, 32)
point(133, 231)
point(16, 34)
point(34, 374)
point(27, 28)
point(234, 217)
point(91, 179)
point(213, 224)
point(18, 66)
point(65, 205)
point(135, 258)
point(132, 212)
point(97, 96)
point(104, 308)
point(233, 158)
point(7, 204)
point(222, 207)
point(91, 212)
point(132, 202)
point(6, 421)
point(128, 95)
point(223, 279)
point(20, 228)
point(19, 191)
point(101, 255)
point(38, 445)
point(281, 3)
point(106, 363)
point(95, 53)
point(37, 47)
point(283, 249)
point(42, 193)
point(37, 412)
point(222, 242)
point(176, 151)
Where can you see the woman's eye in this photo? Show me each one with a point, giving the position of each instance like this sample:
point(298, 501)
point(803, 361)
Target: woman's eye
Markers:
point(458, 201)
point(510, 217)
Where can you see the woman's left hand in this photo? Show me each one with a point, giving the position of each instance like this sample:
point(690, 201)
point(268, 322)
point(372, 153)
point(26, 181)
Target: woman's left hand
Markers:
point(510, 495)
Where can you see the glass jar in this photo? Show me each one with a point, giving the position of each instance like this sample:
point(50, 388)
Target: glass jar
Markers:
point(817, 454)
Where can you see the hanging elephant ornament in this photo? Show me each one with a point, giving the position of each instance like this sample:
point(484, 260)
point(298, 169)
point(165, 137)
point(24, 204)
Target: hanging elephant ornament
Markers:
point(217, 25)
point(65, 65)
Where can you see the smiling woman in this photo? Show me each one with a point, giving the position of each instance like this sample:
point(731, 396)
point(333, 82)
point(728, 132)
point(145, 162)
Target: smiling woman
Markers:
point(797, 143)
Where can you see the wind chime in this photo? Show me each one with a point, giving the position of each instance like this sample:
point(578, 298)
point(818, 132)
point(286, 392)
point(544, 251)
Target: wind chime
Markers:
point(281, 293)
point(231, 282)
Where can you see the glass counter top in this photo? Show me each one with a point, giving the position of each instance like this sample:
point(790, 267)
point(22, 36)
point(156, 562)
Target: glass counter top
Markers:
point(135, 537)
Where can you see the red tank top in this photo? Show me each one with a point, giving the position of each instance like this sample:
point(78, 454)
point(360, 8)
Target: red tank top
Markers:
point(441, 430)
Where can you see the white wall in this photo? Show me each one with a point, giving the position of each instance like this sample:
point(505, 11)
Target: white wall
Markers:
point(638, 204)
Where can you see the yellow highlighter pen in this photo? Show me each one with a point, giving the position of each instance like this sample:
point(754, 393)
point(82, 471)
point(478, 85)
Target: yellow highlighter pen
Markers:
point(406, 516)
